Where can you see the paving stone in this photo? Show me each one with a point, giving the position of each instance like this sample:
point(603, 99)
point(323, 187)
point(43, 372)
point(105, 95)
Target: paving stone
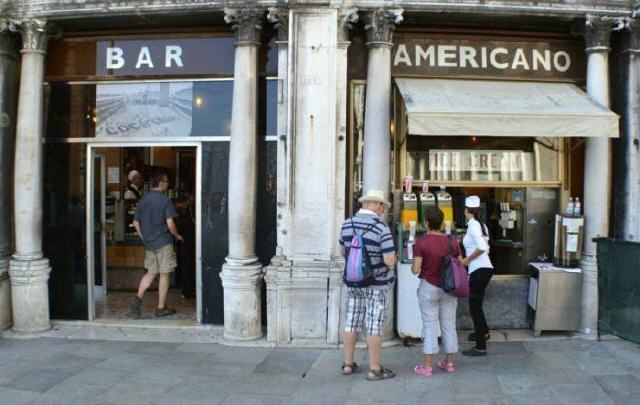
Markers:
point(263, 384)
point(479, 400)
point(314, 394)
point(251, 399)
point(568, 376)
point(524, 385)
point(384, 390)
point(505, 348)
point(134, 392)
point(98, 376)
point(127, 361)
point(66, 392)
point(70, 363)
point(38, 380)
point(288, 361)
point(625, 399)
point(210, 348)
point(252, 356)
point(579, 394)
point(196, 390)
point(16, 397)
point(160, 348)
point(619, 384)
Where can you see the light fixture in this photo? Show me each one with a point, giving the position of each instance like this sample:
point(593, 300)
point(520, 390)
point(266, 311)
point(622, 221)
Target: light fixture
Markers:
point(198, 102)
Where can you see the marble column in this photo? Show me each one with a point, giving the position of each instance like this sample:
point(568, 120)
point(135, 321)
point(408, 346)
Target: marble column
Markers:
point(597, 170)
point(379, 25)
point(627, 165)
point(29, 269)
point(242, 273)
point(8, 95)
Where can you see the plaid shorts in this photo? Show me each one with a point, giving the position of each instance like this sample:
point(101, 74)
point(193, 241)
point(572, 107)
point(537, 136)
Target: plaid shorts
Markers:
point(366, 310)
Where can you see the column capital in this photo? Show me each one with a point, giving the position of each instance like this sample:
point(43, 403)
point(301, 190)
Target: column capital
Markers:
point(346, 18)
point(631, 38)
point(35, 33)
point(279, 17)
point(247, 23)
point(380, 24)
point(597, 32)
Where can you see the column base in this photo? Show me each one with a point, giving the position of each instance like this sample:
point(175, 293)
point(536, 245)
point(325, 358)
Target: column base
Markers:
point(305, 303)
point(242, 300)
point(5, 294)
point(30, 295)
point(589, 320)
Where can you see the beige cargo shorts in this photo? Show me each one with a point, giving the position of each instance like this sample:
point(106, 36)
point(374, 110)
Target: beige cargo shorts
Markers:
point(162, 260)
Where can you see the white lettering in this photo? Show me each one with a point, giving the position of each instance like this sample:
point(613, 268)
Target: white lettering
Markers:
point(114, 58)
point(173, 53)
point(402, 56)
point(520, 60)
point(427, 55)
point(445, 54)
point(483, 58)
point(556, 61)
point(468, 54)
point(144, 58)
point(545, 60)
point(493, 56)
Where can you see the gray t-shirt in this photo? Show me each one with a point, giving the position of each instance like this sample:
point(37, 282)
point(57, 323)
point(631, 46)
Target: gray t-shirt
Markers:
point(153, 211)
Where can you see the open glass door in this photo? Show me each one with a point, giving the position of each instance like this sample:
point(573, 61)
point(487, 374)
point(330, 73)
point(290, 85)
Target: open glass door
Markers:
point(96, 242)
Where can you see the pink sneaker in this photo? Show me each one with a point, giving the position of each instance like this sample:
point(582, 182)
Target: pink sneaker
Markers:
point(423, 371)
point(448, 367)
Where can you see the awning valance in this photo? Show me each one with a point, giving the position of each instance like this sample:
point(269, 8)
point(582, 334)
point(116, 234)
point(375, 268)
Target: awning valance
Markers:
point(503, 108)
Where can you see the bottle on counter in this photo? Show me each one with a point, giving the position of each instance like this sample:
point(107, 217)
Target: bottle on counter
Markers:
point(577, 207)
point(570, 206)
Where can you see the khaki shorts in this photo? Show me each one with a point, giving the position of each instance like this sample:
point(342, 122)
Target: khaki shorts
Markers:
point(162, 260)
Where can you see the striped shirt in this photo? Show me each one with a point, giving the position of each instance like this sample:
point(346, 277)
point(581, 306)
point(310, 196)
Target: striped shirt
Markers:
point(377, 240)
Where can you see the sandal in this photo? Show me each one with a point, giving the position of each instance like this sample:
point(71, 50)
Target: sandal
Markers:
point(381, 374)
point(423, 371)
point(353, 368)
point(448, 367)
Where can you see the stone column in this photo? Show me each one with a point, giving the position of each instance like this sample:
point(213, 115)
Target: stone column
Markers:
point(627, 165)
point(379, 25)
point(597, 170)
point(242, 273)
point(29, 270)
point(8, 95)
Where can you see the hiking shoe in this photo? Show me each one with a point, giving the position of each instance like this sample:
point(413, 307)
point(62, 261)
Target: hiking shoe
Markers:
point(160, 312)
point(134, 311)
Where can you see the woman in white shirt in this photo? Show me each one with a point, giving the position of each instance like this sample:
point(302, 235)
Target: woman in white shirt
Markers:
point(476, 246)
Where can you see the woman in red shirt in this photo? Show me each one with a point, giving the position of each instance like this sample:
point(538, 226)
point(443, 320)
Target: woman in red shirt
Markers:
point(436, 306)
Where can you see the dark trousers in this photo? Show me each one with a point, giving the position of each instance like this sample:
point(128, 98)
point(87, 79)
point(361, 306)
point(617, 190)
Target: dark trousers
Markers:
point(478, 281)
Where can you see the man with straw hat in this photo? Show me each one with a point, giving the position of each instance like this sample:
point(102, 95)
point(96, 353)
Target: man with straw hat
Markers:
point(366, 307)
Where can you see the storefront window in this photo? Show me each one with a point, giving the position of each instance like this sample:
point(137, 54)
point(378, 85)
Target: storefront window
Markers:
point(149, 109)
point(483, 159)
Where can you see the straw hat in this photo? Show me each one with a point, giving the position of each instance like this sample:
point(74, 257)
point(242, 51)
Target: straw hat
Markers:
point(374, 196)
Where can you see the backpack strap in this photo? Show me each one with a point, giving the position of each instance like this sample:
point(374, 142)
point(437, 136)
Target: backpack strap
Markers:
point(449, 245)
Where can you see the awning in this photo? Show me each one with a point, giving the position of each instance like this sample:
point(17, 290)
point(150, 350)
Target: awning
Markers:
point(492, 108)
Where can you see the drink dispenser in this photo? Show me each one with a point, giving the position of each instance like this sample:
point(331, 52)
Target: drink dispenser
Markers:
point(426, 200)
point(409, 211)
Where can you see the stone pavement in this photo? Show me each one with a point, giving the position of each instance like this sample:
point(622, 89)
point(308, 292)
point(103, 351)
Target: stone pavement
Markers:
point(71, 371)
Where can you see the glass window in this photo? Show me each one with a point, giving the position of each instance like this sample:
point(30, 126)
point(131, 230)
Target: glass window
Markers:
point(141, 110)
point(485, 159)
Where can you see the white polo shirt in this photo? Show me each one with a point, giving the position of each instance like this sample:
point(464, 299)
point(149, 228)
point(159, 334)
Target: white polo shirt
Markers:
point(474, 240)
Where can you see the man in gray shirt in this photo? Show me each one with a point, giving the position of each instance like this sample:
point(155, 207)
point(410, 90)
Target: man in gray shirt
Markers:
point(154, 224)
